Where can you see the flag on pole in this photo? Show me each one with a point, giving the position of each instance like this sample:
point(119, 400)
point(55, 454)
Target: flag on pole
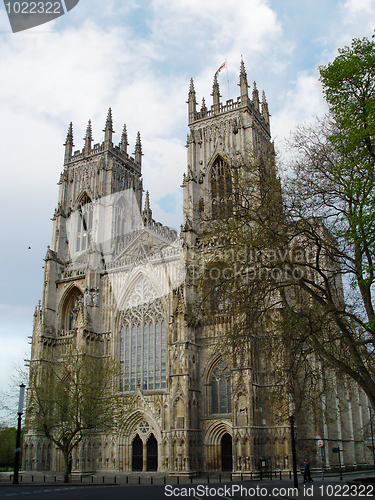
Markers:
point(221, 67)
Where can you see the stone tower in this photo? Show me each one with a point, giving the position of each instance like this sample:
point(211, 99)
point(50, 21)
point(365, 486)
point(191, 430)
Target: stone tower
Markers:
point(94, 173)
point(234, 133)
point(225, 140)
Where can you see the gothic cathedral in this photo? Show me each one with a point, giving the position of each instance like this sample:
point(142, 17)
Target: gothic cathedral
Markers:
point(116, 278)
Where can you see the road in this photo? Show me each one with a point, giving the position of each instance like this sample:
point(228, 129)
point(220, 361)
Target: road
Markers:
point(214, 491)
point(330, 488)
point(115, 492)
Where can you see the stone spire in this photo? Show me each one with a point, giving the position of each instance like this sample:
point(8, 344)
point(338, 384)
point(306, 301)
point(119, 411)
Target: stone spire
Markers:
point(255, 97)
point(216, 95)
point(204, 107)
point(243, 83)
point(138, 150)
point(108, 131)
point(124, 140)
point(147, 212)
point(192, 102)
point(88, 140)
point(69, 144)
point(265, 112)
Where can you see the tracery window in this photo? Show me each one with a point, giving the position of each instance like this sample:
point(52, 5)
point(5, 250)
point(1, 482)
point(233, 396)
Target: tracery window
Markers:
point(221, 390)
point(84, 223)
point(220, 302)
point(120, 218)
point(143, 340)
point(71, 307)
point(221, 189)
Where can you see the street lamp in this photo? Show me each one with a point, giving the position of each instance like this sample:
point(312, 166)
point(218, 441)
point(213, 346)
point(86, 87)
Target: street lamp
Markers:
point(372, 437)
point(18, 441)
point(291, 419)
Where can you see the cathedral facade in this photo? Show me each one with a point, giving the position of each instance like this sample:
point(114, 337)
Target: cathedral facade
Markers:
point(115, 277)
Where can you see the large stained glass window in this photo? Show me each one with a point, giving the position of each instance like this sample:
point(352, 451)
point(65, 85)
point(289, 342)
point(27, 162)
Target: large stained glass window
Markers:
point(143, 340)
point(84, 224)
point(221, 390)
point(221, 189)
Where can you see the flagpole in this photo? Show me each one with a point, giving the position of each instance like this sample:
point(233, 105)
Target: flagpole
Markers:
point(226, 65)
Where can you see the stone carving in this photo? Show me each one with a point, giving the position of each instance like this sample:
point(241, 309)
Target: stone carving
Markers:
point(92, 297)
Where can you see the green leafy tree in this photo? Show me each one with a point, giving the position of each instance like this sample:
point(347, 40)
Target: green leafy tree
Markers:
point(349, 88)
point(7, 446)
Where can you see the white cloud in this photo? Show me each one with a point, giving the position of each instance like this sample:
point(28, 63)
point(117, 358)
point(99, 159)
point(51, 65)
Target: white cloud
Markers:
point(301, 103)
point(355, 7)
point(222, 23)
point(357, 21)
point(210, 31)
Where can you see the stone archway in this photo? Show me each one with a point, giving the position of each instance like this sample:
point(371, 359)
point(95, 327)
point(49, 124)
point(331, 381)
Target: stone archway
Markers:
point(213, 445)
point(134, 444)
point(226, 453)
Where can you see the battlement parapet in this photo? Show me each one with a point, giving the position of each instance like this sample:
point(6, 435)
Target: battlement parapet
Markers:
point(97, 149)
point(229, 106)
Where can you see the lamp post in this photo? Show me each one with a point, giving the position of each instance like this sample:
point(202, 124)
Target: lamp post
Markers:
point(291, 419)
point(18, 441)
point(372, 438)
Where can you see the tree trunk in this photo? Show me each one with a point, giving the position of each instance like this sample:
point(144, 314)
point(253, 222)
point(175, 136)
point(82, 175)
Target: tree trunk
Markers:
point(66, 466)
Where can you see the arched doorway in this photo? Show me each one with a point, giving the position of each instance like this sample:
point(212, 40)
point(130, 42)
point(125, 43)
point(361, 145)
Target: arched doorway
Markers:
point(152, 453)
point(137, 462)
point(226, 453)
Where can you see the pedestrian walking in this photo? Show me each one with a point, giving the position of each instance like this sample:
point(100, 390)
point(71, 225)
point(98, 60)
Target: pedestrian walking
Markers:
point(306, 472)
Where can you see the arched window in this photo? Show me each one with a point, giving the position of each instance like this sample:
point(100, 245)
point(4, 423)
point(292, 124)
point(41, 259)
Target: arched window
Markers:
point(84, 223)
point(143, 340)
point(71, 307)
point(120, 220)
point(220, 390)
point(221, 189)
point(220, 302)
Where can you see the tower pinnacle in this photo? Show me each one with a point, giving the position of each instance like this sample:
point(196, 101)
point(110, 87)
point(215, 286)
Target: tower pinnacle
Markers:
point(108, 131)
point(124, 140)
point(255, 97)
point(192, 102)
point(203, 108)
point(243, 84)
point(88, 140)
point(69, 144)
point(265, 112)
point(138, 150)
point(216, 95)
point(147, 212)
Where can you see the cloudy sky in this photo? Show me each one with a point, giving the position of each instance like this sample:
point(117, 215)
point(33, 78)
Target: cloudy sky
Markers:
point(138, 57)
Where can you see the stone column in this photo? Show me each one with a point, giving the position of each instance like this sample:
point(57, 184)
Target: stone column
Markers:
point(234, 454)
point(126, 450)
point(160, 456)
point(144, 469)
